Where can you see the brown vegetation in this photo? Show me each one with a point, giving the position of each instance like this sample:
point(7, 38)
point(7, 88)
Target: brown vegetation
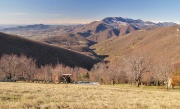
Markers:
point(13, 68)
point(17, 68)
point(173, 81)
point(136, 70)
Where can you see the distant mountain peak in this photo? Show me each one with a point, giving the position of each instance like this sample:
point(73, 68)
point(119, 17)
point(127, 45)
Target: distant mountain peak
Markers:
point(38, 26)
point(117, 26)
point(138, 23)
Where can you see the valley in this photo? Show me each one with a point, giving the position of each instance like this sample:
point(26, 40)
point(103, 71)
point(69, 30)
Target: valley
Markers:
point(89, 54)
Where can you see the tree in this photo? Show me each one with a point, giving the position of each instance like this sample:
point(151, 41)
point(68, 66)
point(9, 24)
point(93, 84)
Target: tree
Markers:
point(115, 72)
point(47, 71)
point(57, 71)
point(162, 69)
point(99, 73)
point(136, 66)
point(17, 68)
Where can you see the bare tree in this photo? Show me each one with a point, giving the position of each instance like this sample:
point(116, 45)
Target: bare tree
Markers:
point(163, 69)
point(17, 67)
point(136, 66)
point(47, 71)
point(76, 74)
point(27, 67)
point(118, 69)
point(99, 73)
point(57, 71)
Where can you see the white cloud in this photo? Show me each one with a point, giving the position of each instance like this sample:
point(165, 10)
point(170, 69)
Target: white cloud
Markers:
point(40, 14)
point(49, 14)
point(37, 18)
point(157, 21)
point(12, 14)
point(45, 21)
point(67, 21)
point(17, 13)
point(74, 21)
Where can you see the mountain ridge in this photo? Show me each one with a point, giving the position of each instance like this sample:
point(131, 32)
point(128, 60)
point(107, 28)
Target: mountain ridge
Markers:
point(108, 27)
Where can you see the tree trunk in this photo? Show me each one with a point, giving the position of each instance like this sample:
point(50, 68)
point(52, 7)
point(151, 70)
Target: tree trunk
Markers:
point(138, 83)
point(157, 83)
point(167, 85)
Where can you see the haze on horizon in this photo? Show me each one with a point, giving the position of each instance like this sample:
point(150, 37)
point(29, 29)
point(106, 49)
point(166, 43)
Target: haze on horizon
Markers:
point(85, 11)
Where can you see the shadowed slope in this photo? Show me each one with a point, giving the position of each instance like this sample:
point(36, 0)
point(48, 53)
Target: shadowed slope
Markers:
point(99, 31)
point(43, 53)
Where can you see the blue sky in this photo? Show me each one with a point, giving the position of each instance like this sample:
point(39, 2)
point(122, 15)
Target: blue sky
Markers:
point(85, 11)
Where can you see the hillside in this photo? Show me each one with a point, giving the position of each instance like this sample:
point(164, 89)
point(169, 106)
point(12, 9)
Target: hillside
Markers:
point(43, 53)
point(70, 41)
point(163, 41)
point(66, 40)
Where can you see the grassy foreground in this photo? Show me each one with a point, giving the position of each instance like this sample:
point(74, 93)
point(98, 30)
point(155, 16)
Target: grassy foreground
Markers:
point(58, 96)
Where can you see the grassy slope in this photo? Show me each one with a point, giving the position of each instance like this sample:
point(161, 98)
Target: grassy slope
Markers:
point(60, 96)
point(65, 39)
point(159, 42)
point(43, 53)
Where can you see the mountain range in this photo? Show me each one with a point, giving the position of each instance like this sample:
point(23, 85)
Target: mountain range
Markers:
point(99, 31)
point(73, 45)
point(96, 31)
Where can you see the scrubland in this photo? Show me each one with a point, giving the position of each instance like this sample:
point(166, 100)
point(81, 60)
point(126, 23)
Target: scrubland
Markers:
point(74, 96)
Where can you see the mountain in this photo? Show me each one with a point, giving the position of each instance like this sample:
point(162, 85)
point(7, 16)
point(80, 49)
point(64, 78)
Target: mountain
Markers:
point(7, 26)
point(159, 42)
point(166, 24)
point(99, 31)
point(43, 53)
point(28, 27)
point(94, 32)
point(137, 24)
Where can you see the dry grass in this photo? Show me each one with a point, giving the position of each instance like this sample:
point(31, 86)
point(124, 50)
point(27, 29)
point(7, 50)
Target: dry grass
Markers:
point(58, 96)
point(157, 43)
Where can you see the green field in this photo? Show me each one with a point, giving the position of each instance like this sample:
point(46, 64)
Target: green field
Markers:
point(74, 96)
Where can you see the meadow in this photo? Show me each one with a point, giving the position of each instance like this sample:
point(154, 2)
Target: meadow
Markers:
point(76, 96)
